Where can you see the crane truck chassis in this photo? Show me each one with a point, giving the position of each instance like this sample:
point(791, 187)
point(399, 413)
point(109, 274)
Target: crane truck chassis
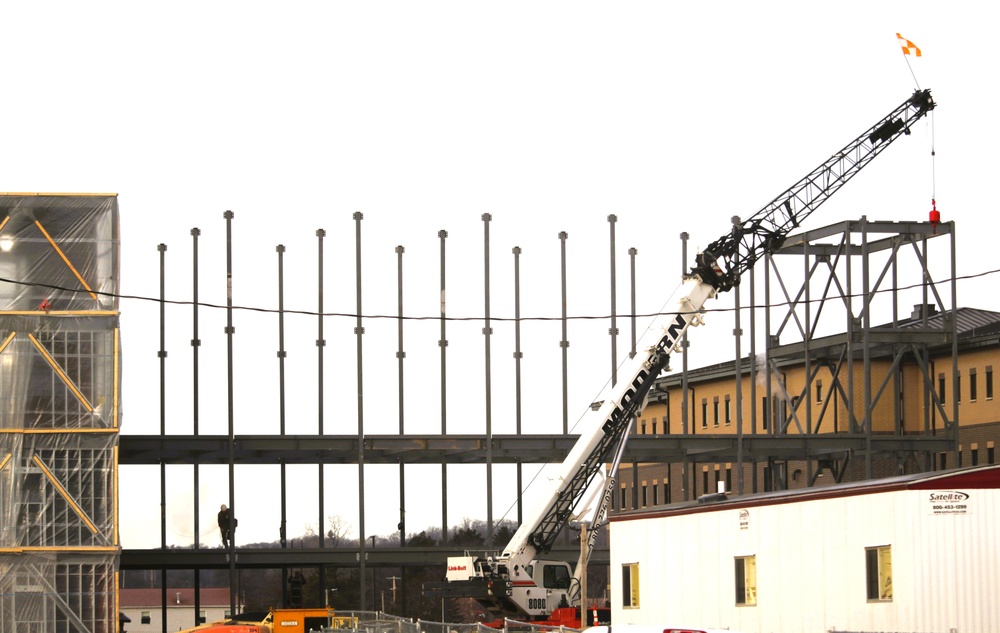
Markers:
point(517, 583)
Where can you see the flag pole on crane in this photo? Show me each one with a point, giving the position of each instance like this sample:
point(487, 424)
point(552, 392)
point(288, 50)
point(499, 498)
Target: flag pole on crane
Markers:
point(909, 48)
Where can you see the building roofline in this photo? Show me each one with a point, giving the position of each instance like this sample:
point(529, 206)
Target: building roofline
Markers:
point(982, 329)
point(972, 477)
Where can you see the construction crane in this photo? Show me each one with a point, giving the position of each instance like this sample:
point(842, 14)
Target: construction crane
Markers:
point(517, 583)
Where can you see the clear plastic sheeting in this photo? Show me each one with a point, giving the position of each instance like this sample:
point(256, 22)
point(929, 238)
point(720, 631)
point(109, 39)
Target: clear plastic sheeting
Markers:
point(59, 413)
point(59, 249)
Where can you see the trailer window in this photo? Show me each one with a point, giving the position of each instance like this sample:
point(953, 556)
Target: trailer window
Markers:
point(746, 580)
point(630, 586)
point(878, 567)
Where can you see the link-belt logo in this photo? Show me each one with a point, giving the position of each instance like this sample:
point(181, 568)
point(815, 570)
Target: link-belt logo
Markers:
point(949, 497)
point(628, 398)
point(457, 568)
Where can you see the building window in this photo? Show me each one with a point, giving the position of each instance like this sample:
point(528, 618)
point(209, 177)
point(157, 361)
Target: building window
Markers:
point(656, 493)
point(989, 453)
point(973, 387)
point(746, 580)
point(654, 426)
point(989, 382)
point(630, 586)
point(624, 503)
point(715, 410)
point(202, 617)
point(729, 478)
point(666, 492)
point(144, 618)
point(819, 391)
point(941, 391)
point(704, 413)
point(644, 496)
point(765, 410)
point(878, 567)
point(729, 411)
point(643, 428)
point(974, 453)
point(942, 461)
point(704, 480)
point(958, 388)
point(666, 416)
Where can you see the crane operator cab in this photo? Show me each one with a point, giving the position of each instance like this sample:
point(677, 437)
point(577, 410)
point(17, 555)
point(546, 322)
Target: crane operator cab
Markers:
point(549, 587)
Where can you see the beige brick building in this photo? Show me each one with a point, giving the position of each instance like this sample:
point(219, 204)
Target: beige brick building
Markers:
point(800, 397)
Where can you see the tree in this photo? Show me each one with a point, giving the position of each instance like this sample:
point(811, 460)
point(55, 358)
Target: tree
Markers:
point(337, 530)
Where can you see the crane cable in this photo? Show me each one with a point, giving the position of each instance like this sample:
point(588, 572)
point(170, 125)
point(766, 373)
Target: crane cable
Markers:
point(909, 48)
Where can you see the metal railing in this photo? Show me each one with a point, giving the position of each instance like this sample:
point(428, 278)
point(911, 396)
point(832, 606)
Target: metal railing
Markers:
point(379, 622)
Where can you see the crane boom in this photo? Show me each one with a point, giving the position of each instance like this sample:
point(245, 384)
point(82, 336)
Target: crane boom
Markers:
point(516, 583)
point(723, 262)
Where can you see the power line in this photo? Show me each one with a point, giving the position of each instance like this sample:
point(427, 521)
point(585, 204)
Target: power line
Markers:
point(393, 317)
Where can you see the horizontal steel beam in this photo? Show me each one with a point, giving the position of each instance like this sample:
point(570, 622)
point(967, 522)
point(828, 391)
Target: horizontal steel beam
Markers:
point(274, 558)
point(507, 449)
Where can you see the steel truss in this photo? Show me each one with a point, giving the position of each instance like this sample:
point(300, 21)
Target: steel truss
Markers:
point(854, 276)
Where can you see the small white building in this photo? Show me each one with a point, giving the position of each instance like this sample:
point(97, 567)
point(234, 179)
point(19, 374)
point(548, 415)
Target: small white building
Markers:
point(144, 607)
point(915, 553)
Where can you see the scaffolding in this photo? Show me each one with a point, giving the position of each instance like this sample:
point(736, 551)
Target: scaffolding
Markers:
point(59, 412)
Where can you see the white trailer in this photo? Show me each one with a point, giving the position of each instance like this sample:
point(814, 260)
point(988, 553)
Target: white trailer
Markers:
point(915, 553)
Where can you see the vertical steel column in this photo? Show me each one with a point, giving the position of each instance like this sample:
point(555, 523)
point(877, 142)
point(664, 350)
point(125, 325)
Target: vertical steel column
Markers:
point(632, 252)
point(359, 331)
point(230, 331)
point(953, 323)
point(927, 390)
point(635, 465)
point(866, 324)
point(564, 342)
point(686, 474)
point(738, 374)
point(283, 526)
point(320, 345)
point(443, 344)
point(517, 373)
point(400, 355)
point(767, 413)
point(613, 330)
point(753, 375)
point(162, 355)
point(487, 335)
point(897, 410)
point(807, 351)
point(282, 354)
point(851, 329)
point(195, 344)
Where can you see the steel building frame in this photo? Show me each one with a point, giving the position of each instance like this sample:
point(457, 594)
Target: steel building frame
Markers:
point(489, 448)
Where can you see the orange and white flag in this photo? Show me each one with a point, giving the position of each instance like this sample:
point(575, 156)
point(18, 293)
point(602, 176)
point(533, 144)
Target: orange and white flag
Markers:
point(909, 48)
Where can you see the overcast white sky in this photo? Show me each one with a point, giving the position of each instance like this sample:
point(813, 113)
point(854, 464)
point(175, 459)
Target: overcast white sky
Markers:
point(423, 116)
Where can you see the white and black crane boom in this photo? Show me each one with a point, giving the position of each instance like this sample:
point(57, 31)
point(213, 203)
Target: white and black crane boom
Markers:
point(515, 582)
